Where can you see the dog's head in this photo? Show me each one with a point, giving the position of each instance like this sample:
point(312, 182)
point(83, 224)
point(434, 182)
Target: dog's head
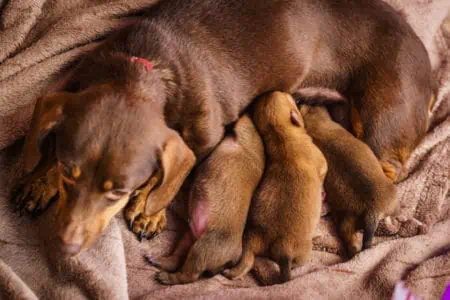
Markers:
point(276, 111)
point(106, 146)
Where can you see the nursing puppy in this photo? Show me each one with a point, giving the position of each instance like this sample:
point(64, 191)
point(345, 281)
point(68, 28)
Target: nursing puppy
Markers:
point(286, 207)
point(218, 204)
point(154, 99)
point(359, 193)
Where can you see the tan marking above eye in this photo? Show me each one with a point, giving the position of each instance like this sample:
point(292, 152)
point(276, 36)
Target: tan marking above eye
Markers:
point(108, 185)
point(76, 172)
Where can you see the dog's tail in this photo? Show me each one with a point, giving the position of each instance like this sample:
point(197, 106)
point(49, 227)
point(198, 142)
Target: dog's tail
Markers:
point(285, 264)
point(370, 225)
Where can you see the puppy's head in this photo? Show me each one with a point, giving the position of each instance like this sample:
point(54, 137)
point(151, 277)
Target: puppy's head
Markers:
point(314, 113)
point(276, 111)
point(105, 148)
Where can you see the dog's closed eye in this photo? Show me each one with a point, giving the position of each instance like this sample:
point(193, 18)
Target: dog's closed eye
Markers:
point(116, 195)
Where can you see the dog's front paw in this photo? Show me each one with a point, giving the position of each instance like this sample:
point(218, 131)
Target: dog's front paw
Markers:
point(36, 195)
point(142, 225)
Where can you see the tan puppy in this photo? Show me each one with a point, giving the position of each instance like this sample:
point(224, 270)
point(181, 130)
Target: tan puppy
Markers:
point(286, 207)
point(359, 193)
point(218, 205)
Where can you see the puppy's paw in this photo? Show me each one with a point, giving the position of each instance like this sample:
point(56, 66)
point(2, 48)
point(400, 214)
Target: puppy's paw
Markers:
point(168, 264)
point(352, 250)
point(35, 196)
point(145, 226)
point(167, 278)
point(390, 171)
point(233, 274)
point(176, 278)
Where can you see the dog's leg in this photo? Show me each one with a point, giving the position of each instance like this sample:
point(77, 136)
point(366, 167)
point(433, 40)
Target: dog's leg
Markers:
point(370, 225)
point(209, 253)
point(242, 268)
point(287, 252)
point(252, 244)
point(172, 262)
point(142, 225)
point(392, 118)
point(347, 231)
point(285, 264)
point(192, 269)
point(205, 133)
point(37, 190)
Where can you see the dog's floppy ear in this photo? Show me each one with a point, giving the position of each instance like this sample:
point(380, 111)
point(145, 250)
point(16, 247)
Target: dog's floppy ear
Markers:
point(176, 160)
point(47, 115)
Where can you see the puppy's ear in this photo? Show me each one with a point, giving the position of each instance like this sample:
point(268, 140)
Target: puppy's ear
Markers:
point(47, 115)
point(304, 109)
point(176, 161)
point(296, 119)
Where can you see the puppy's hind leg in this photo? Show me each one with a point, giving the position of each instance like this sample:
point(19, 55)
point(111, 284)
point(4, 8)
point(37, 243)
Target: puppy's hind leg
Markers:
point(172, 262)
point(286, 252)
point(247, 260)
point(243, 267)
point(370, 225)
point(285, 264)
point(347, 231)
point(207, 254)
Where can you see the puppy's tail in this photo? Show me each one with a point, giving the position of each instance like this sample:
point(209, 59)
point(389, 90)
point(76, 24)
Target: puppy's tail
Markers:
point(285, 264)
point(370, 226)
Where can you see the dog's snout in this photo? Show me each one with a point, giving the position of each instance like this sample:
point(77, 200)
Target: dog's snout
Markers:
point(71, 249)
point(71, 240)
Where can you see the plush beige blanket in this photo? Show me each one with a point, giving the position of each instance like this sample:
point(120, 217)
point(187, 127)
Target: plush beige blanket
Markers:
point(39, 39)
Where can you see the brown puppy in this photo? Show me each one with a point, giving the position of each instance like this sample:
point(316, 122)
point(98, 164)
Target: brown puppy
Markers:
point(286, 208)
point(190, 69)
point(358, 192)
point(218, 204)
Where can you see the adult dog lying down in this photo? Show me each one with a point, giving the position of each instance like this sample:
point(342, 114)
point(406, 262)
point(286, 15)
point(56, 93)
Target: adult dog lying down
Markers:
point(140, 110)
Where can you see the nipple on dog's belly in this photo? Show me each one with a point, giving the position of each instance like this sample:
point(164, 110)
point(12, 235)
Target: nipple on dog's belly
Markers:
point(198, 219)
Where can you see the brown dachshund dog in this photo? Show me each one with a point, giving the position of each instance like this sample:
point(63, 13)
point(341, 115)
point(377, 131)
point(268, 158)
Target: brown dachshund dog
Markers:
point(359, 193)
point(221, 192)
point(286, 207)
point(155, 98)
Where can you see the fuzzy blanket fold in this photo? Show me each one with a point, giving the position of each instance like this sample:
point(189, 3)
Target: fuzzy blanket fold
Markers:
point(40, 39)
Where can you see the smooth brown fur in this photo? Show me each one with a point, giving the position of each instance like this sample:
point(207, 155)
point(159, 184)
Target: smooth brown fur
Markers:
point(211, 58)
point(219, 201)
point(358, 192)
point(286, 207)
